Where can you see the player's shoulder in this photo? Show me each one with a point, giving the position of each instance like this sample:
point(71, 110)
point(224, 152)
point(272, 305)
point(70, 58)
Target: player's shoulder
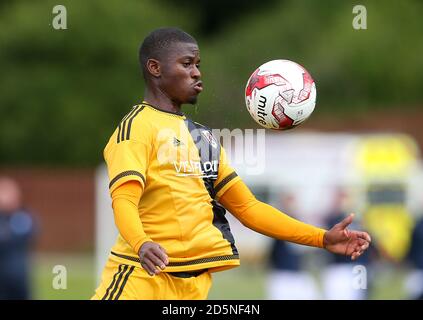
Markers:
point(135, 125)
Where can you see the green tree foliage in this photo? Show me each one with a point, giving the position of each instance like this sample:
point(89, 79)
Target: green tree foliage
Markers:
point(355, 70)
point(62, 92)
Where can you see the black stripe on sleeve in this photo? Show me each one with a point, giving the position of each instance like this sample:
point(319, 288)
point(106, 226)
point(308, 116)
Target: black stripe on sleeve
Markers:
point(134, 111)
point(225, 181)
point(118, 135)
point(131, 269)
point(125, 174)
point(128, 131)
point(113, 282)
point(121, 121)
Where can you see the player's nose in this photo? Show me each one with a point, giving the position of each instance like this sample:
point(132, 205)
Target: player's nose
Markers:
point(195, 73)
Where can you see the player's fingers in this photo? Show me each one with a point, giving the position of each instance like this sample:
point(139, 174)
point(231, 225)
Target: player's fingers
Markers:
point(356, 246)
point(361, 242)
point(365, 246)
point(356, 254)
point(148, 266)
point(360, 235)
point(157, 261)
point(162, 249)
point(361, 246)
point(161, 254)
point(364, 235)
point(346, 233)
point(346, 222)
point(354, 251)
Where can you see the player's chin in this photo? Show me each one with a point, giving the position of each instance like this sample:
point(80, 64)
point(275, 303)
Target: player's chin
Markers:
point(192, 99)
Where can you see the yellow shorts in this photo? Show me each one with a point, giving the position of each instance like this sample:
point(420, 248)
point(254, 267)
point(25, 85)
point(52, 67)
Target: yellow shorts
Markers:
point(125, 282)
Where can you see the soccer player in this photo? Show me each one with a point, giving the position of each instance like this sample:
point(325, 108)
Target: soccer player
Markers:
point(170, 183)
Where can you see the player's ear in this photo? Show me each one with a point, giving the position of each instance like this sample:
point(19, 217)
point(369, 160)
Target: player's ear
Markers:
point(153, 67)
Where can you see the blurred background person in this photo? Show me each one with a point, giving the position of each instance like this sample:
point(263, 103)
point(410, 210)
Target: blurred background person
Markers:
point(414, 281)
point(16, 231)
point(288, 279)
point(338, 276)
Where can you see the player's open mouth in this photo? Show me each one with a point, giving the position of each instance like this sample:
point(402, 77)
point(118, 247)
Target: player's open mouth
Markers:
point(198, 86)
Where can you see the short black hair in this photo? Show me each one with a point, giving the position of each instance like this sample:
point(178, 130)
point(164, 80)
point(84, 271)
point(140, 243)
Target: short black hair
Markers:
point(157, 43)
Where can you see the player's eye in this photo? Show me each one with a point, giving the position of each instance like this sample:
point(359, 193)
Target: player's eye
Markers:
point(186, 64)
point(198, 66)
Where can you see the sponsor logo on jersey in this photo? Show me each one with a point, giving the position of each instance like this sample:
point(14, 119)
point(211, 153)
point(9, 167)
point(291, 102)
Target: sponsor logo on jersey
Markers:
point(198, 169)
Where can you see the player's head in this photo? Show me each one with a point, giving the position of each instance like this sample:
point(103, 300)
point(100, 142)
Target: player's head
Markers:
point(10, 195)
point(169, 59)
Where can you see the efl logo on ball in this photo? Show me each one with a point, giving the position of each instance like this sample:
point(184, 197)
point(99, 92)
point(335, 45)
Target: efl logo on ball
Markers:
point(280, 94)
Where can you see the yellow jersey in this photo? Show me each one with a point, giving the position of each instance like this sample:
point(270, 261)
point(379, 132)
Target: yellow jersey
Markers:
point(183, 170)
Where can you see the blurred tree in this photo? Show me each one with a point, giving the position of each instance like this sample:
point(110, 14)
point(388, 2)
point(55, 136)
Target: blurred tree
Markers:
point(214, 15)
point(62, 92)
point(378, 68)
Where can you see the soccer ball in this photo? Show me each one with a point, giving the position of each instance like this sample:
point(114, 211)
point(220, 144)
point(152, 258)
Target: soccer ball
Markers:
point(280, 94)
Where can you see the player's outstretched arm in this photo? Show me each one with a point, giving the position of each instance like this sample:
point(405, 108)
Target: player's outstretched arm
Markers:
point(269, 221)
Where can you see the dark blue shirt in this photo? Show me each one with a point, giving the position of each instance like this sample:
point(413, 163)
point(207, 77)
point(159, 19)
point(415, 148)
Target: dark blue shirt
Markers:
point(416, 250)
point(16, 229)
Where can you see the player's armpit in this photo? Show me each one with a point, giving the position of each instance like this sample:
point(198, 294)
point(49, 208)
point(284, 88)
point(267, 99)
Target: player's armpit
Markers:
point(125, 201)
point(267, 220)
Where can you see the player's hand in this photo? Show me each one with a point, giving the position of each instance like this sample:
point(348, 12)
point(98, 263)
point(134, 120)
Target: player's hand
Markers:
point(340, 240)
point(153, 256)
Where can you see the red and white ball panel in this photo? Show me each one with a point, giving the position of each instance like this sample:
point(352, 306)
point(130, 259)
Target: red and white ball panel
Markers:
point(280, 94)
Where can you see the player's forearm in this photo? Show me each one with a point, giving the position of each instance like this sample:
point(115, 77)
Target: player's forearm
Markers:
point(267, 220)
point(125, 208)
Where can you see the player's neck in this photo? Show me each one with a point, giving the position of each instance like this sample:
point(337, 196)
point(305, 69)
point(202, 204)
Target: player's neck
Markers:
point(161, 101)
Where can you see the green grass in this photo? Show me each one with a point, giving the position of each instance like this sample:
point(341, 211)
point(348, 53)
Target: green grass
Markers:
point(388, 284)
point(245, 282)
point(80, 277)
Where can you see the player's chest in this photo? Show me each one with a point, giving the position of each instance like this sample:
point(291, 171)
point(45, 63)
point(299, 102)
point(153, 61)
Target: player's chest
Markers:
point(181, 152)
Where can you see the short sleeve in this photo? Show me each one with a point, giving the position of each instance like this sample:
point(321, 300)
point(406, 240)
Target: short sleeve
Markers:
point(226, 176)
point(128, 159)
